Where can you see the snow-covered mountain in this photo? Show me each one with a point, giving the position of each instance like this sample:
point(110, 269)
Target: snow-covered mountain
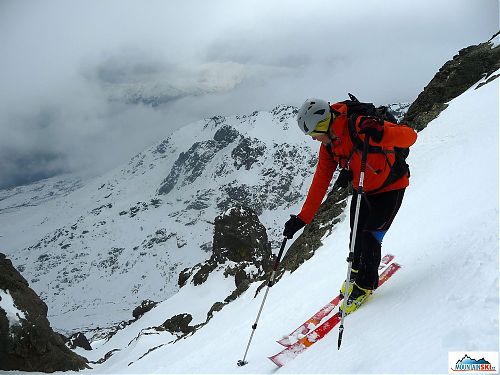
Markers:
point(37, 192)
point(444, 299)
point(133, 230)
point(399, 110)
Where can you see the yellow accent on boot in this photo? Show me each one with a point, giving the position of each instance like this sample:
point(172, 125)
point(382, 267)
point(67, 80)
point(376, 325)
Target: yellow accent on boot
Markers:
point(353, 277)
point(357, 297)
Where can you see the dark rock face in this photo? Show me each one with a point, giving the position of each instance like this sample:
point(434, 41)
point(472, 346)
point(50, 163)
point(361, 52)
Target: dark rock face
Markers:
point(191, 164)
point(240, 237)
point(240, 241)
point(178, 324)
point(247, 152)
point(456, 76)
point(143, 308)
point(78, 340)
point(28, 343)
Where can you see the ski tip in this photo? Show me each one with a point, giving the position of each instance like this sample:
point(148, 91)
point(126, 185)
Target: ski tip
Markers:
point(285, 341)
point(275, 359)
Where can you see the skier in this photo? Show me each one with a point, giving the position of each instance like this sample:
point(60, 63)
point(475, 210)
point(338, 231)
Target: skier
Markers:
point(329, 124)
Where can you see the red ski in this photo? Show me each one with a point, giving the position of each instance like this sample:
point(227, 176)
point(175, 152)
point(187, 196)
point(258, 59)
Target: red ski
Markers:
point(311, 323)
point(385, 261)
point(321, 331)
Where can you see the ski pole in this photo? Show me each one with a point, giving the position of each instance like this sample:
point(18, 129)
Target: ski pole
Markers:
point(353, 236)
point(243, 362)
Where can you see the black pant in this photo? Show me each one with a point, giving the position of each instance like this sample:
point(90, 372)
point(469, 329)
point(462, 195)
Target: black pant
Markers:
point(376, 215)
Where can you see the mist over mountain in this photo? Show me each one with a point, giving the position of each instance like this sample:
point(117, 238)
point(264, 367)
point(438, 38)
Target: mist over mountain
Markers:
point(82, 102)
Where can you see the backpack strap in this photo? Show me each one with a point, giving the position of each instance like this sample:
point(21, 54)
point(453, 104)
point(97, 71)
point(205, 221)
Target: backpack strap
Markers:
point(332, 155)
point(353, 134)
point(329, 150)
point(358, 144)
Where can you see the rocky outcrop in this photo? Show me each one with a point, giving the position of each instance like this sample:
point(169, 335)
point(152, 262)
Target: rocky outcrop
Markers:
point(78, 340)
point(143, 308)
point(178, 324)
point(240, 247)
point(27, 342)
point(457, 75)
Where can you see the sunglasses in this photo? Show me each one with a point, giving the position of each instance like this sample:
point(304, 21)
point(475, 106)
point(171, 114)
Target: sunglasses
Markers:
point(322, 126)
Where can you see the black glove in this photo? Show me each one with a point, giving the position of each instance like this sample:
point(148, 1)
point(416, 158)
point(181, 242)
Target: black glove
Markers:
point(345, 176)
point(293, 225)
point(372, 127)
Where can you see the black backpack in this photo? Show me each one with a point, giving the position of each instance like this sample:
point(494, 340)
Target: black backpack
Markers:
point(356, 108)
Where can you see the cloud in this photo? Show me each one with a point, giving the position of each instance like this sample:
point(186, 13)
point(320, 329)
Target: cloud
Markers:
point(134, 79)
point(85, 85)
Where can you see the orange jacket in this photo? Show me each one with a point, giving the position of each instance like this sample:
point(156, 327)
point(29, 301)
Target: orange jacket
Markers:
point(377, 168)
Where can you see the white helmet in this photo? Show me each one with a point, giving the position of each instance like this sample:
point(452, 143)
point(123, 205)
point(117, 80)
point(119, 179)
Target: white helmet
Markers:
point(312, 112)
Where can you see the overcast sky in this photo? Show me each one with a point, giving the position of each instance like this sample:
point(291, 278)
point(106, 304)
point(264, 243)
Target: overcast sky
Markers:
point(87, 84)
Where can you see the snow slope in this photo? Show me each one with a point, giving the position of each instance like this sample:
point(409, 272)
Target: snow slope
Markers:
point(446, 297)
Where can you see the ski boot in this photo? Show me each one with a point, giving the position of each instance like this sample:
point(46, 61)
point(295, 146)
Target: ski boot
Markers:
point(356, 298)
point(354, 273)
